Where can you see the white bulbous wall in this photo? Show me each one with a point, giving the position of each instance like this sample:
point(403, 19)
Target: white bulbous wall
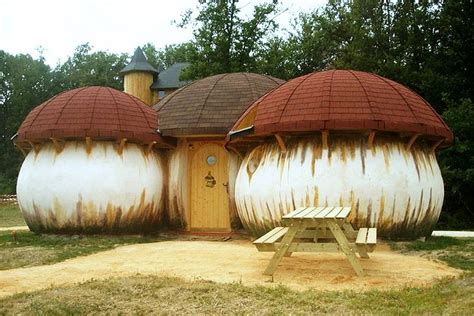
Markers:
point(397, 190)
point(91, 189)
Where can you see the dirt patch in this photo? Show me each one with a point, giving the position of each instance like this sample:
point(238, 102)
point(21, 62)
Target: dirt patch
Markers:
point(231, 261)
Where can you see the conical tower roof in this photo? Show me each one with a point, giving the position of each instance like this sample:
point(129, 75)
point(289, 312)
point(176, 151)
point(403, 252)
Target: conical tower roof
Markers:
point(138, 63)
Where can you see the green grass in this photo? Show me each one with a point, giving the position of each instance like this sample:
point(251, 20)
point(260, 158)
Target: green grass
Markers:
point(152, 294)
point(438, 243)
point(10, 215)
point(31, 249)
point(456, 252)
point(161, 295)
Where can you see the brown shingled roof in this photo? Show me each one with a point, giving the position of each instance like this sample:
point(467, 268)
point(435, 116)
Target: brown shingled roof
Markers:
point(96, 112)
point(211, 105)
point(344, 100)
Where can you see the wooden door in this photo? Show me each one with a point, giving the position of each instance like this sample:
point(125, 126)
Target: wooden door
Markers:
point(209, 189)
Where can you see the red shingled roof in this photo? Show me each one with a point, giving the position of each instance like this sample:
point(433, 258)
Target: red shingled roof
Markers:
point(345, 100)
point(96, 112)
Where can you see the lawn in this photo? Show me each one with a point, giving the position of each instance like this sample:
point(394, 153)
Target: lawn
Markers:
point(152, 294)
point(29, 249)
point(10, 215)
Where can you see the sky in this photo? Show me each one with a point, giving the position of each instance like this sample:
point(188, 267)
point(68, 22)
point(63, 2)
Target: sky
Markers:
point(116, 26)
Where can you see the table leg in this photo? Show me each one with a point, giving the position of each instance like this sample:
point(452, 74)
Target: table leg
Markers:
point(344, 244)
point(317, 232)
point(282, 250)
point(349, 230)
point(362, 250)
point(352, 234)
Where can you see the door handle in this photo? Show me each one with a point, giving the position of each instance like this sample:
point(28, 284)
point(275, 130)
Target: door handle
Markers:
point(226, 184)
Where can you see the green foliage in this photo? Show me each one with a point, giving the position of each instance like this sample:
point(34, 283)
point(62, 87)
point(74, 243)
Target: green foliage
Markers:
point(224, 41)
point(86, 68)
point(278, 59)
point(24, 83)
point(457, 165)
point(168, 56)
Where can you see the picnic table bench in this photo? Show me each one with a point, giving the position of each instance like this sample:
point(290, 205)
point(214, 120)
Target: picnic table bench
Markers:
point(311, 229)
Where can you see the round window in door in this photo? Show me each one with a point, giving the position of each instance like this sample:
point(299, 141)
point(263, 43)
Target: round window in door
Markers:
point(211, 160)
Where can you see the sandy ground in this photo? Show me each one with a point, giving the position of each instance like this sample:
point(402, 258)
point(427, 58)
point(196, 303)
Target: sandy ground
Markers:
point(231, 261)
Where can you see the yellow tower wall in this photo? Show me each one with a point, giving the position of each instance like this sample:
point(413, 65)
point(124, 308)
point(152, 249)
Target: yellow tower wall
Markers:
point(138, 84)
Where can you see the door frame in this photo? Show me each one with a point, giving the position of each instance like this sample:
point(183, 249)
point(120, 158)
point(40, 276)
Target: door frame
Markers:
point(197, 144)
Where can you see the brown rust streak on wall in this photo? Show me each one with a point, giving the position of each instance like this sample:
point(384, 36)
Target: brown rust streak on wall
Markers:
point(415, 220)
point(234, 162)
point(141, 218)
point(177, 186)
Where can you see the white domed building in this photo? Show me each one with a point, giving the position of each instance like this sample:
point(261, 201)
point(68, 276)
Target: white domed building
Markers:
point(230, 150)
point(93, 164)
point(341, 138)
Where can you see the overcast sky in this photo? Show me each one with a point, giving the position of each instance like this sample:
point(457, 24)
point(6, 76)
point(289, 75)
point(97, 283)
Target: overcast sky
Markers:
point(111, 25)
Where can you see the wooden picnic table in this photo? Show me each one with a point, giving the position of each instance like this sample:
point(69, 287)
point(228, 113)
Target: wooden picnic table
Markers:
point(312, 229)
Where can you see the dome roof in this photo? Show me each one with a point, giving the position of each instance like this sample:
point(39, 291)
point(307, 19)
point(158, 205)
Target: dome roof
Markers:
point(343, 100)
point(211, 106)
point(96, 112)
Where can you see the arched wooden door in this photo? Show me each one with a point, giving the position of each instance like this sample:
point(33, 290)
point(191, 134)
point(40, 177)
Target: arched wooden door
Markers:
point(209, 189)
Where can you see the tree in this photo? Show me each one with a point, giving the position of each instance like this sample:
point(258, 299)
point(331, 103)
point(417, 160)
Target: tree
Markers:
point(24, 83)
point(278, 59)
point(319, 38)
point(86, 68)
point(163, 58)
point(457, 166)
point(224, 41)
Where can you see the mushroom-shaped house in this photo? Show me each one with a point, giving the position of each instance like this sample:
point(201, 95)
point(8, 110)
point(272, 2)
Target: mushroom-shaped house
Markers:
point(201, 172)
point(342, 138)
point(93, 164)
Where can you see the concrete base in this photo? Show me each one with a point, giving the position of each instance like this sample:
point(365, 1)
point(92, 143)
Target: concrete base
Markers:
point(12, 228)
point(458, 234)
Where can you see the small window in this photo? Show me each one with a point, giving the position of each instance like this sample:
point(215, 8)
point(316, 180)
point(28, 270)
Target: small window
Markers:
point(161, 93)
point(211, 160)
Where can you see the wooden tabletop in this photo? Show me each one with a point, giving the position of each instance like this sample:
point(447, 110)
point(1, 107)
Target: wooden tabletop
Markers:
point(318, 213)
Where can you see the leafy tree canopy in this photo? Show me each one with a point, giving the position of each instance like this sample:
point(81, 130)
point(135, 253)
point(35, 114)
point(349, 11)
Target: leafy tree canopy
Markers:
point(24, 83)
point(87, 68)
point(171, 54)
point(224, 40)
